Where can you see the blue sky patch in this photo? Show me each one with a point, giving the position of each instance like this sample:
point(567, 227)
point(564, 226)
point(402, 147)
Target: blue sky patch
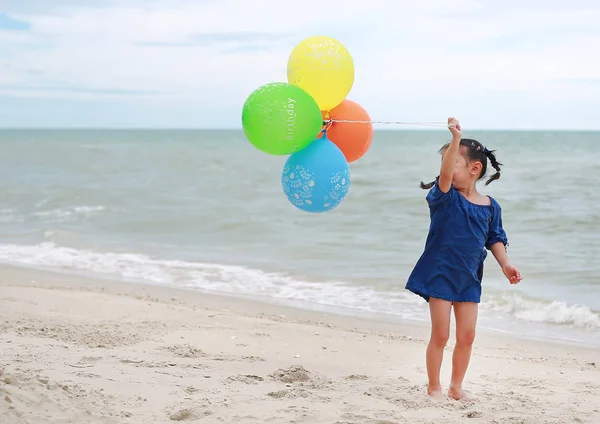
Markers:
point(8, 23)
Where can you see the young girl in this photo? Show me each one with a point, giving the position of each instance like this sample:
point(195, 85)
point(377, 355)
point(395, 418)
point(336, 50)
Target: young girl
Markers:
point(448, 274)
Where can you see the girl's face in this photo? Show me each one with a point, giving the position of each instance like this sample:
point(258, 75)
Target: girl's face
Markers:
point(465, 174)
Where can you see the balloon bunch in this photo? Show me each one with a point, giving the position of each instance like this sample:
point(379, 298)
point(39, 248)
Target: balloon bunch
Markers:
point(310, 119)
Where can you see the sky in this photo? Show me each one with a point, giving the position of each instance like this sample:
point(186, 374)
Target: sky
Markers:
point(527, 64)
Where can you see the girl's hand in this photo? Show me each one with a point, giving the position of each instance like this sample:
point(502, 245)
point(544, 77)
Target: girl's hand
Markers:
point(454, 127)
point(512, 273)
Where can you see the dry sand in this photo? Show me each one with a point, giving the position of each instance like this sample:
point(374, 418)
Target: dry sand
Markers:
point(79, 350)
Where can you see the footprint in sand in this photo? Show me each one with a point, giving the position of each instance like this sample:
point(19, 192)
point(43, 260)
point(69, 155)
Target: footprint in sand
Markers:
point(293, 374)
point(183, 415)
point(399, 398)
point(86, 362)
point(354, 418)
point(247, 379)
point(188, 414)
point(473, 414)
point(253, 358)
point(296, 393)
point(359, 377)
point(87, 375)
point(131, 361)
point(185, 351)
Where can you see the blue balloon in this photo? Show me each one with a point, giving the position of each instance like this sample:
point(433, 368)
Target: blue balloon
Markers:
point(316, 178)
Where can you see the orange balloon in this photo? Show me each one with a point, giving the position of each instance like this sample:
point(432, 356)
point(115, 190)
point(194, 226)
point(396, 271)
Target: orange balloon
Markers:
point(352, 138)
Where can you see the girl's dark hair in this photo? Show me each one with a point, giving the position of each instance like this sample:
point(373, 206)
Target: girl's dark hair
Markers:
point(475, 152)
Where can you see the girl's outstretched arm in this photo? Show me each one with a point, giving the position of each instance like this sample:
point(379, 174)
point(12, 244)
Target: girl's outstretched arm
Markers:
point(450, 156)
point(510, 271)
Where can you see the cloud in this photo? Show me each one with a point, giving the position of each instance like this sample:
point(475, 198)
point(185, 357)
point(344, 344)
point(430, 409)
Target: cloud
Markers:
point(50, 6)
point(488, 63)
point(221, 38)
point(230, 42)
point(67, 88)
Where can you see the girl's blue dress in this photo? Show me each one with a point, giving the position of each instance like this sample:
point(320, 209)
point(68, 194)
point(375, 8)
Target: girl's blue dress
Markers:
point(451, 267)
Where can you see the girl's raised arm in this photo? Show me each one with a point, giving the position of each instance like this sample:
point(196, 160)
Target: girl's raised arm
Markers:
point(450, 156)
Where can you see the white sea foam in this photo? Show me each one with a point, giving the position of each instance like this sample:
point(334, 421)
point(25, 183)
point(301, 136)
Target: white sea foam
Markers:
point(239, 280)
point(68, 212)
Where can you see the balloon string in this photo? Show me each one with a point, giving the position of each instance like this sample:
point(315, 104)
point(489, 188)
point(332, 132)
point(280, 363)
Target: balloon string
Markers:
point(436, 124)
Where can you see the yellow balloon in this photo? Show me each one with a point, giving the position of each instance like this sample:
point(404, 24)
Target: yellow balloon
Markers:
point(324, 68)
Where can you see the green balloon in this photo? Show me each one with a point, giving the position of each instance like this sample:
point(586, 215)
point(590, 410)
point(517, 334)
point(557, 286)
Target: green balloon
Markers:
point(280, 118)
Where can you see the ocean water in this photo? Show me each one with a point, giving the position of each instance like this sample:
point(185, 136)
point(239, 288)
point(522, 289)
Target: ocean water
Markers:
point(205, 210)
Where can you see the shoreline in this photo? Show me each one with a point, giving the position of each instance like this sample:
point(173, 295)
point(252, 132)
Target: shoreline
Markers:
point(285, 306)
point(95, 351)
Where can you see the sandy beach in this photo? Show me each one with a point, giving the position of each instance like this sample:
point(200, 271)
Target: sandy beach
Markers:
point(80, 350)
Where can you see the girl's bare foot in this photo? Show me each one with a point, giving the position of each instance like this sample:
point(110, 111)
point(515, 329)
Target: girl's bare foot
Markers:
point(460, 394)
point(436, 394)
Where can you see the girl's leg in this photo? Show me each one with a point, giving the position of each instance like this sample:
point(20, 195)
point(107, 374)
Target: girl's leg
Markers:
point(466, 319)
point(440, 331)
